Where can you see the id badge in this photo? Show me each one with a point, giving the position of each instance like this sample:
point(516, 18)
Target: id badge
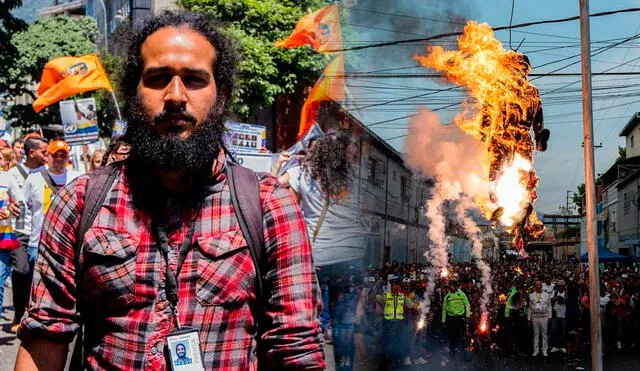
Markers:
point(183, 349)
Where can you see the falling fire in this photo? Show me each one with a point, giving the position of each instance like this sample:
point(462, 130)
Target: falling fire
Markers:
point(518, 270)
point(444, 273)
point(421, 324)
point(502, 298)
point(498, 114)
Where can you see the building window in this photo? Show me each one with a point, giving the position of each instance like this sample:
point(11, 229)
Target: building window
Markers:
point(626, 206)
point(405, 187)
point(394, 175)
point(377, 171)
point(632, 141)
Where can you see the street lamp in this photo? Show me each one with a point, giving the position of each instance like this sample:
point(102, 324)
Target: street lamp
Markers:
point(106, 35)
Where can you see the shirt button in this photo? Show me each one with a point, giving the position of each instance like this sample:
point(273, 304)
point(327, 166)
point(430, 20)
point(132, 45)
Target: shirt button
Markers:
point(154, 350)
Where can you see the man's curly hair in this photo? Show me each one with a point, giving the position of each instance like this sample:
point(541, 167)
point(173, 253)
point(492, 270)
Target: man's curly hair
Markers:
point(225, 59)
point(328, 162)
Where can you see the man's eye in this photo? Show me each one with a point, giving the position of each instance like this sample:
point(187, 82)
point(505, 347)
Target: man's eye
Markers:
point(157, 80)
point(195, 81)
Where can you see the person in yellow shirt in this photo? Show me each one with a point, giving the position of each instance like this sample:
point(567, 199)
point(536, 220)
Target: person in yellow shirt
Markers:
point(394, 326)
point(455, 309)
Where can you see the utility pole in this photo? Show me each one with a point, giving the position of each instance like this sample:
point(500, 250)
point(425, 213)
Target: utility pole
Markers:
point(590, 188)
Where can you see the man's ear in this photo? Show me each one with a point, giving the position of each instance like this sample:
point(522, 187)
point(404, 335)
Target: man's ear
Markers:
point(222, 100)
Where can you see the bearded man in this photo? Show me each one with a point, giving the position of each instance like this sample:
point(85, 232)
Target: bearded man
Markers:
point(165, 259)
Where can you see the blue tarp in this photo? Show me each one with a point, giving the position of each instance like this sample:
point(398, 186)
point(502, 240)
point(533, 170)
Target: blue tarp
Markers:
point(605, 255)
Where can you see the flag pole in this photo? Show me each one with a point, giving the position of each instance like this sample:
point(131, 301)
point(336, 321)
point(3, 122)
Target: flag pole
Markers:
point(115, 101)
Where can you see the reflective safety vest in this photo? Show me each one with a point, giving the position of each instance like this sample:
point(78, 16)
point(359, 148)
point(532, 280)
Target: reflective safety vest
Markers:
point(394, 306)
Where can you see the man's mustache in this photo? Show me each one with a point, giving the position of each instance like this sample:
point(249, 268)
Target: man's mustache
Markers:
point(174, 115)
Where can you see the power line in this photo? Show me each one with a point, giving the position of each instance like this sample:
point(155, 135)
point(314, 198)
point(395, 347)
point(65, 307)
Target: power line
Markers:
point(451, 34)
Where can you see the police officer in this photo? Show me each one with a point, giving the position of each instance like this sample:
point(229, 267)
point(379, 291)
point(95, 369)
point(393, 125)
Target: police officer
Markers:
point(394, 325)
point(455, 309)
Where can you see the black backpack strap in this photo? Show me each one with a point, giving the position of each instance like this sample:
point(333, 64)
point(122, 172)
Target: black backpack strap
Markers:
point(22, 172)
point(98, 186)
point(245, 197)
point(49, 180)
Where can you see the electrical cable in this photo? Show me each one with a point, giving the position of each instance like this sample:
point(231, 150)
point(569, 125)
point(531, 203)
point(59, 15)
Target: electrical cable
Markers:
point(451, 34)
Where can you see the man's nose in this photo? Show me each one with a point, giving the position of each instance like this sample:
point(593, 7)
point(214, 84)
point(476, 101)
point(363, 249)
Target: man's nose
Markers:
point(176, 93)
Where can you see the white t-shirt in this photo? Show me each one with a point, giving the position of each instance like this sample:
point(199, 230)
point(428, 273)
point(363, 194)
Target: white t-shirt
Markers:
point(548, 288)
point(20, 180)
point(342, 236)
point(540, 305)
point(38, 195)
point(560, 309)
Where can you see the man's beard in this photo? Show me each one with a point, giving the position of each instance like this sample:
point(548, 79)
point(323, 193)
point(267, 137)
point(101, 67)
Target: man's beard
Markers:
point(172, 153)
point(151, 153)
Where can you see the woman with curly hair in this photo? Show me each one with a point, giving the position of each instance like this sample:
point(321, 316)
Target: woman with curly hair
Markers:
point(323, 182)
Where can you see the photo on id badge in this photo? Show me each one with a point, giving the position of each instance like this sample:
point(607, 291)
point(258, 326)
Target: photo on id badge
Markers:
point(184, 351)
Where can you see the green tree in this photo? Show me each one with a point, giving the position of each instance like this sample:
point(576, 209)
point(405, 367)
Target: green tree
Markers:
point(622, 154)
point(578, 196)
point(9, 25)
point(48, 38)
point(264, 71)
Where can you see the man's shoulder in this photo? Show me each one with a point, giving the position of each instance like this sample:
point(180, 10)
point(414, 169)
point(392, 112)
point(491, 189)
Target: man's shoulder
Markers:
point(14, 171)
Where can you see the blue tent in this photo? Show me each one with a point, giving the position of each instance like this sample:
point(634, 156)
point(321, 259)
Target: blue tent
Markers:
point(605, 255)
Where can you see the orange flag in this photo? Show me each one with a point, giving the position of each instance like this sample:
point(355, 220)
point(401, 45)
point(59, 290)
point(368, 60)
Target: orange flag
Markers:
point(320, 29)
point(66, 76)
point(330, 86)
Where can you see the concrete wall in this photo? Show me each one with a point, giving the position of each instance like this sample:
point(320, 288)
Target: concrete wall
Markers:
point(633, 142)
point(628, 202)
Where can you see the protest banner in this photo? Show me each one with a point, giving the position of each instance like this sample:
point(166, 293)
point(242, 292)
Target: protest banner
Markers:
point(79, 120)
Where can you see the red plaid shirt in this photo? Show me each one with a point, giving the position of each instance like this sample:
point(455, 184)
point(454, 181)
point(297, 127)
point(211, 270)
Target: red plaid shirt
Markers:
point(125, 309)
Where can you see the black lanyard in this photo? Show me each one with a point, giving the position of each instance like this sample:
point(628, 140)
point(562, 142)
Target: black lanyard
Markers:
point(171, 280)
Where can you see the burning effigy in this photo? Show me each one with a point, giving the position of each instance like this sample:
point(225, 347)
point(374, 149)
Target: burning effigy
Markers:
point(484, 160)
point(503, 109)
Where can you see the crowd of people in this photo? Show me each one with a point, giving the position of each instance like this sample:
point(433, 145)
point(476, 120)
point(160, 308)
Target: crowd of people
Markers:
point(32, 170)
point(537, 308)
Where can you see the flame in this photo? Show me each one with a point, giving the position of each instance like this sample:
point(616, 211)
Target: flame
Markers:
point(502, 298)
point(444, 273)
point(484, 322)
point(518, 270)
point(499, 113)
point(421, 324)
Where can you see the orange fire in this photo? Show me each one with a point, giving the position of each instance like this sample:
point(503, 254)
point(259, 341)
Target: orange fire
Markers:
point(484, 322)
point(444, 273)
point(500, 112)
point(502, 298)
point(518, 270)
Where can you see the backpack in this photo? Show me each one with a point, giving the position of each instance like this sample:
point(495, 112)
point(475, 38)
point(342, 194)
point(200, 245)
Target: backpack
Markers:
point(245, 197)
